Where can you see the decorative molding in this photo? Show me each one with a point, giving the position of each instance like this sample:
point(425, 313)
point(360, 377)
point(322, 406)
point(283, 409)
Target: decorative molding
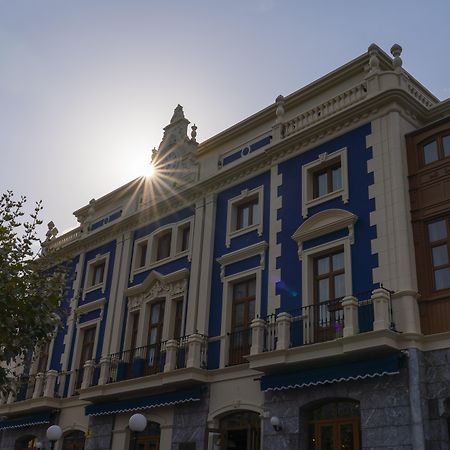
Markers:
point(89, 267)
point(324, 222)
point(241, 254)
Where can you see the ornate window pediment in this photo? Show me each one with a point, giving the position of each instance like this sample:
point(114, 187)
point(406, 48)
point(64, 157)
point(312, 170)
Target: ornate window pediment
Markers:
point(324, 222)
point(158, 285)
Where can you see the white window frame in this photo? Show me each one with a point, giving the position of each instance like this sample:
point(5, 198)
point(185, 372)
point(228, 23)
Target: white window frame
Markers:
point(175, 245)
point(308, 171)
point(233, 204)
point(90, 273)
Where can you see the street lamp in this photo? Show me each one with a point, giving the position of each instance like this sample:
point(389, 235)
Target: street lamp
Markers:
point(137, 423)
point(54, 433)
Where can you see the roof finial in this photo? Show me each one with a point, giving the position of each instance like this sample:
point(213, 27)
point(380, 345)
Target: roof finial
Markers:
point(177, 114)
point(193, 133)
point(279, 101)
point(374, 62)
point(396, 51)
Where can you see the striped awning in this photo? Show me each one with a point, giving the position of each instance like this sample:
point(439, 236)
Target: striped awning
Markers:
point(25, 421)
point(141, 403)
point(350, 371)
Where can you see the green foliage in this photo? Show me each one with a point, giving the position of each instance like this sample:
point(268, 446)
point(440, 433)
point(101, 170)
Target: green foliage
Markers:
point(30, 289)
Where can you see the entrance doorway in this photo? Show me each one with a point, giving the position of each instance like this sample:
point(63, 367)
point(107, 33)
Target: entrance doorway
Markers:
point(334, 426)
point(74, 440)
point(240, 431)
point(148, 439)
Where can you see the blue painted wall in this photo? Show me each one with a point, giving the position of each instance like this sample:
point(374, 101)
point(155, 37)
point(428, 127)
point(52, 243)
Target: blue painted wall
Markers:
point(289, 286)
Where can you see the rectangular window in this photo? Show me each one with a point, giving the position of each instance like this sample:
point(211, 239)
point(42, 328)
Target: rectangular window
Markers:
point(436, 149)
point(86, 354)
point(243, 312)
point(329, 289)
point(327, 180)
point(247, 214)
point(439, 241)
point(98, 273)
point(134, 329)
point(163, 243)
point(155, 329)
point(178, 319)
point(141, 254)
point(185, 234)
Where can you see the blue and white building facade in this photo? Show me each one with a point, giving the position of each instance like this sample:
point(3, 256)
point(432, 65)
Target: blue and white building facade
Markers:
point(258, 292)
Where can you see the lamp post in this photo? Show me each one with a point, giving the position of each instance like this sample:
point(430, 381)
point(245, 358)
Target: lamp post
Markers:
point(54, 433)
point(137, 423)
point(39, 445)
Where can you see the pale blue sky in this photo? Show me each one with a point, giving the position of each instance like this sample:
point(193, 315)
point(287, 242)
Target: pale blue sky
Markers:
point(87, 85)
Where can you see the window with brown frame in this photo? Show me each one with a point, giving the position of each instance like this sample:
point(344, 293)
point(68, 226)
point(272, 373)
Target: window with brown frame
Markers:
point(243, 312)
point(134, 329)
point(327, 180)
point(155, 329)
point(436, 148)
point(98, 273)
point(163, 244)
point(178, 318)
point(185, 234)
point(247, 214)
point(329, 288)
point(439, 245)
point(141, 254)
point(87, 346)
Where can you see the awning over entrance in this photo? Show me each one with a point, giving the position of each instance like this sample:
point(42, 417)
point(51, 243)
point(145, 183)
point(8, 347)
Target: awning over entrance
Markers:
point(153, 401)
point(351, 371)
point(26, 421)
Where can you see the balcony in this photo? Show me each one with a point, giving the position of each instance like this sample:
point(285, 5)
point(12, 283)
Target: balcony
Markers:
point(176, 361)
point(326, 330)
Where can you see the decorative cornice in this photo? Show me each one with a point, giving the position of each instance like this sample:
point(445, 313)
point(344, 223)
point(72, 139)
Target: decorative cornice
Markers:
point(324, 222)
point(91, 306)
point(243, 253)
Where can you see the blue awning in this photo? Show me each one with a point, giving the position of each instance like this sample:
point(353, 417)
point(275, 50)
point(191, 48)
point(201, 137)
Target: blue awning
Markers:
point(154, 401)
point(351, 371)
point(26, 421)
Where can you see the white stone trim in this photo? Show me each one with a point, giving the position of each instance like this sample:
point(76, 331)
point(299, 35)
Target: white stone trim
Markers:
point(394, 242)
point(275, 227)
point(91, 306)
point(308, 271)
point(151, 240)
point(99, 258)
point(308, 170)
point(227, 305)
point(243, 253)
point(233, 203)
point(324, 222)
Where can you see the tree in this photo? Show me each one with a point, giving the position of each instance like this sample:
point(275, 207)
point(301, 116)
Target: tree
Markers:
point(30, 287)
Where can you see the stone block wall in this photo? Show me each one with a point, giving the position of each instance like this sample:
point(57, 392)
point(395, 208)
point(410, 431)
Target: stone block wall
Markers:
point(384, 410)
point(190, 424)
point(101, 428)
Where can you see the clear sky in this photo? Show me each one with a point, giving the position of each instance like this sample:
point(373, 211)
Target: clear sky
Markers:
point(86, 86)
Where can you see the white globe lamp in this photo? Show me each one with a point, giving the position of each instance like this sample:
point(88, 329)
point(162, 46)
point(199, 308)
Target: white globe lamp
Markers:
point(54, 433)
point(137, 422)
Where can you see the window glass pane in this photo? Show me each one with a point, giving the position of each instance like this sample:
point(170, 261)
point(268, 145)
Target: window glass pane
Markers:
point(239, 310)
point(153, 337)
point(240, 290)
point(337, 178)
point(346, 434)
point(338, 261)
point(446, 145)
point(440, 255)
point(323, 293)
point(251, 310)
point(442, 278)
point(339, 285)
point(323, 265)
point(245, 215)
point(322, 184)
point(430, 152)
point(255, 218)
point(251, 288)
point(155, 312)
point(437, 230)
point(326, 437)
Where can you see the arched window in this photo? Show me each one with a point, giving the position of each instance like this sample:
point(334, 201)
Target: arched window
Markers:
point(26, 443)
point(148, 439)
point(240, 431)
point(73, 440)
point(334, 425)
